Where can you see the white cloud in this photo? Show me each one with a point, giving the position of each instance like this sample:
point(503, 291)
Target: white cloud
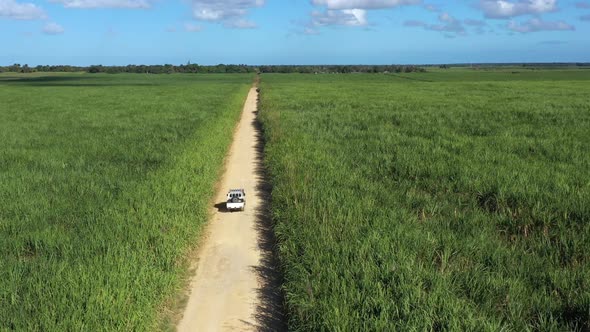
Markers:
point(445, 17)
point(53, 29)
point(363, 4)
point(477, 25)
point(311, 31)
point(536, 24)
point(432, 8)
point(415, 23)
point(348, 12)
point(190, 27)
point(20, 11)
point(506, 9)
point(474, 23)
point(240, 24)
point(230, 12)
point(129, 4)
point(346, 17)
point(584, 5)
point(447, 24)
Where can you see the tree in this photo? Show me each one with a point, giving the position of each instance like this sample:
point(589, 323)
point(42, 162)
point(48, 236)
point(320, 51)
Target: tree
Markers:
point(25, 69)
point(95, 69)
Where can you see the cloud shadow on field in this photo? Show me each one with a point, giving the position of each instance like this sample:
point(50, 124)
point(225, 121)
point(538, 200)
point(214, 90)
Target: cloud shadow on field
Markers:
point(68, 81)
point(270, 313)
point(410, 78)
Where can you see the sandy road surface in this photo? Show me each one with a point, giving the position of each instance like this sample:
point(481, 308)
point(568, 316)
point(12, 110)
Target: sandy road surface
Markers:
point(235, 285)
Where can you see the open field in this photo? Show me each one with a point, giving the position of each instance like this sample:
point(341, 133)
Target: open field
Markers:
point(452, 200)
point(105, 181)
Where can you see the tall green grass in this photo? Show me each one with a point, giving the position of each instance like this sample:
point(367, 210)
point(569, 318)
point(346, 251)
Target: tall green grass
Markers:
point(105, 182)
point(430, 202)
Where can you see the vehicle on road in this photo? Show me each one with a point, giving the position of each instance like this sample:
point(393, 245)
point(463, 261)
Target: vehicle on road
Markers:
point(236, 200)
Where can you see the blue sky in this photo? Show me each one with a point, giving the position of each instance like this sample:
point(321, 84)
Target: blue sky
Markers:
point(120, 32)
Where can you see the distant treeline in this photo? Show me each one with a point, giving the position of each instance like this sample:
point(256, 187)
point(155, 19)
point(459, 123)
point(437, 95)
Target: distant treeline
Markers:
point(311, 69)
point(544, 65)
point(140, 69)
point(221, 68)
point(341, 69)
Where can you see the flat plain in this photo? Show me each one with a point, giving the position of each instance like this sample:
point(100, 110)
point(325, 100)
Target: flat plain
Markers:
point(449, 200)
point(105, 181)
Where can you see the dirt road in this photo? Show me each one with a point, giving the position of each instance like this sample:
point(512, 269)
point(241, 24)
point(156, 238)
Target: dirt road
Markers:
point(235, 287)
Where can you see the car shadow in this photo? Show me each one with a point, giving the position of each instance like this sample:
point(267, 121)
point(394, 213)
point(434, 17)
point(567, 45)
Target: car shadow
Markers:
point(221, 208)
